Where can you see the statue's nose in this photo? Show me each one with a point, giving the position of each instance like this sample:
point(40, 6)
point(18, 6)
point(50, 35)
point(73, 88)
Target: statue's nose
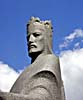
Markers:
point(31, 38)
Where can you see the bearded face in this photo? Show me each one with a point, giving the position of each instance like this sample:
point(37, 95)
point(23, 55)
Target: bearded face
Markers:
point(38, 39)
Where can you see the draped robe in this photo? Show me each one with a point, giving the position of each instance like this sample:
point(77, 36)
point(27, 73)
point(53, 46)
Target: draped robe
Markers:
point(39, 81)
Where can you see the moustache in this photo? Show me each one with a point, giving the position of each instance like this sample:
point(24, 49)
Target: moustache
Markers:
point(32, 45)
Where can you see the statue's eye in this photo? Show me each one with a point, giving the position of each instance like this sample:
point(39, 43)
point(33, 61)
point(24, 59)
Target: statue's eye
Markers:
point(36, 34)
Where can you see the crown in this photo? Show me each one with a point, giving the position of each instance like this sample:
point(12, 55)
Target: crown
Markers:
point(47, 24)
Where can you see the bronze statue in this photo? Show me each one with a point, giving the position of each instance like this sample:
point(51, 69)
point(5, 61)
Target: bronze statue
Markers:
point(42, 79)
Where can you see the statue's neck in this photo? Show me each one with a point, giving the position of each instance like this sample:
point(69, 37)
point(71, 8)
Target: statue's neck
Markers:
point(35, 56)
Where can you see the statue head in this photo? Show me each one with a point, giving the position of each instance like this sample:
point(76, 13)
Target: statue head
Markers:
point(39, 37)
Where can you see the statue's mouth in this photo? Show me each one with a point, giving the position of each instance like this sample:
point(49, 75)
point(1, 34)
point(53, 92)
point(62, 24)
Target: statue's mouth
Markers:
point(32, 46)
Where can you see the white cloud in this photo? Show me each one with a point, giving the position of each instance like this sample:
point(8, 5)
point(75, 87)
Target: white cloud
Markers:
point(65, 44)
point(75, 34)
point(72, 73)
point(77, 45)
point(78, 33)
point(7, 77)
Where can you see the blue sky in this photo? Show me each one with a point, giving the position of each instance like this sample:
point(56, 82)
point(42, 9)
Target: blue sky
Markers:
point(67, 20)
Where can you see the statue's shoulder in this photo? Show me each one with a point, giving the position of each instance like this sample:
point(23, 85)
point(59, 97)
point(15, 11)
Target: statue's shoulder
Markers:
point(52, 58)
point(48, 63)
